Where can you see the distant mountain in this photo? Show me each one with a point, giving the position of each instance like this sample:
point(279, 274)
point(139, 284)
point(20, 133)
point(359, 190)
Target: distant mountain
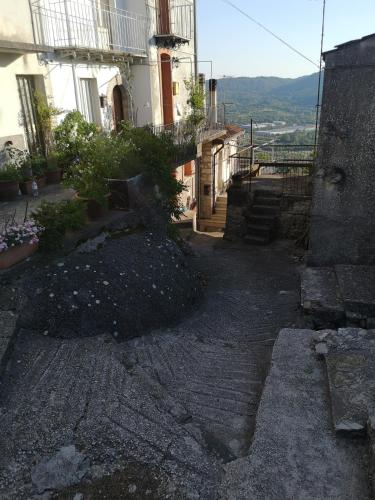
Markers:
point(268, 99)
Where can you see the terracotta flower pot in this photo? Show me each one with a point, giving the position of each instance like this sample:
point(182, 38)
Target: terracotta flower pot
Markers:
point(26, 187)
point(54, 176)
point(9, 190)
point(16, 254)
point(41, 182)
point(94, 209)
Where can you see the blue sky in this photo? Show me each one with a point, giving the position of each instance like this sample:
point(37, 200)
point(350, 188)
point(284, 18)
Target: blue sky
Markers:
point(238, 47)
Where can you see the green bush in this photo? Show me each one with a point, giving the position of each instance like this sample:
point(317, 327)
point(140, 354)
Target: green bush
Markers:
point(57, 219)
point(100, 159)
point(153, 156)
point(73, 133)
point(53, 161)
point(10, 172)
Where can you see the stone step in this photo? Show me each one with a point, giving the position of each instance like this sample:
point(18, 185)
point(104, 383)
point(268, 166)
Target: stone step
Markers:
point(267, 192)
point(357, 287)
point(8, 321)
point(265, 210)
point(340, 296)
point(211, 225)
point(299, 457)
point(259, 230)
point(268, 201)
point(320, 298)
point(262, 220)
point(257, 240)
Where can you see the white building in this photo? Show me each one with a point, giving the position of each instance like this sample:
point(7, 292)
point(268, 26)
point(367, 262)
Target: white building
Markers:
point(111, 59)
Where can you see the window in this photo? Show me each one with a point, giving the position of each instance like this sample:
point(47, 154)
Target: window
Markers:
point(26, 89)
point(89, 100)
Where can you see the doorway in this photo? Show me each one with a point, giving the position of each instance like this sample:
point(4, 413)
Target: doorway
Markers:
point(166, 84)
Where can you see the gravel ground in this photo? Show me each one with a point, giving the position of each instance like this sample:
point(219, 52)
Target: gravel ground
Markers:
point(155, 416)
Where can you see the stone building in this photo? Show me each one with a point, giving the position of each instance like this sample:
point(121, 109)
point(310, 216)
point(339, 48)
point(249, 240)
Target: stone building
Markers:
point(343, 211)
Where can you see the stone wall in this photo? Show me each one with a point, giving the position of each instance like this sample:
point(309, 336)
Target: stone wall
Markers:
point(294, 217)
point(343, 211)
point(238, 201)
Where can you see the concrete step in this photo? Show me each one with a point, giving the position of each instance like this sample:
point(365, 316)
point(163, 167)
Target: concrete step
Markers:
point(350, 361)
point(300, 457)
point(257, 240)
point(265, 210)
point(262, 220)
point(321, 299)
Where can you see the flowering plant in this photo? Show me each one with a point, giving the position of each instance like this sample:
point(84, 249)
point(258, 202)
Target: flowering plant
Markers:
point(17, 234)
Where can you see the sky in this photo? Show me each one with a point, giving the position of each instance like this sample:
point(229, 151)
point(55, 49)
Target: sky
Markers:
point(238, 47)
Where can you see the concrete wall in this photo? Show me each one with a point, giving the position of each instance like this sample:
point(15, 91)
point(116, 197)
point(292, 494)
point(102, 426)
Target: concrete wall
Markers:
point(343, 212)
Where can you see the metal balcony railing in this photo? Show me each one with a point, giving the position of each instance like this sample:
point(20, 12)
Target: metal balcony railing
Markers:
point(86, 24)
point(176, 18)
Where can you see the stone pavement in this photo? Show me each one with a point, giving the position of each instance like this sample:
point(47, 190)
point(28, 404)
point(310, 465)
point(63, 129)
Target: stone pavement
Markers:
point(26, 204)
point(174, 405)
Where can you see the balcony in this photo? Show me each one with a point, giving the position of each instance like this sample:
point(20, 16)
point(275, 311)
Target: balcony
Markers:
point(175, 23)
point(87, 30)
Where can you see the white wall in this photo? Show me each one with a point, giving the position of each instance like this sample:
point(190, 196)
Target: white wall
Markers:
point(15, 21)
point(11, 65)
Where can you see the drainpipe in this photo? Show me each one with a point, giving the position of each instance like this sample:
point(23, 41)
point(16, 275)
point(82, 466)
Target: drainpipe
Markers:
point(75, 85)
point(222, 144)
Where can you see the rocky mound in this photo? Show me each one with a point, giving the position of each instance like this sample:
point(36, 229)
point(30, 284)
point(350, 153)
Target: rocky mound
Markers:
point(127, 286)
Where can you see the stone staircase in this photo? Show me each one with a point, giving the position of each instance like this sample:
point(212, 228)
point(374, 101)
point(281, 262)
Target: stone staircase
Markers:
point(263, 217)
point(218, 220)
point(339, 296)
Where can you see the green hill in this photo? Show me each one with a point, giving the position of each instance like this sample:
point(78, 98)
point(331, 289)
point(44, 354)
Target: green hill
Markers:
point(268, 99)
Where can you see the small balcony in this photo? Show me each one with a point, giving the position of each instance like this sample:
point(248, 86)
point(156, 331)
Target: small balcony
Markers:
point(88, 30)
point(175, 23)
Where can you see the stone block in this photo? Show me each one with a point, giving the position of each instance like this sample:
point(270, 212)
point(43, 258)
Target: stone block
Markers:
point(357, 286)
point(320, 297)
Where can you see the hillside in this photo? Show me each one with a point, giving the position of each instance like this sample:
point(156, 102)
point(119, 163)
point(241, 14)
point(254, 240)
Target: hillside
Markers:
point(268, 99)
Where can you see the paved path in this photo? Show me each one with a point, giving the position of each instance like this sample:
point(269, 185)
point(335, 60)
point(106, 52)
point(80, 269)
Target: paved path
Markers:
point(180, 401)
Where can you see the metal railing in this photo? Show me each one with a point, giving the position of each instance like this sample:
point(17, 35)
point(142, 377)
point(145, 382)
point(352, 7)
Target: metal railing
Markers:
point(289, 165)
point(176, 17)
point(187, 135)
point(88, 25)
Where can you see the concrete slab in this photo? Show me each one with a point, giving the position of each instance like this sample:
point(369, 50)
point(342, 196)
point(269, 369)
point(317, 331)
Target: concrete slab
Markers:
point(350, 362)
point(294, 454)
point(357, 286)
point(320, 297)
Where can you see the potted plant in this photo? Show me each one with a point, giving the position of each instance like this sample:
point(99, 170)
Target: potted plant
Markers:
point(99, 161)
point(26, 178)
point(10, 177)
point(39, 167)
point(18, 242)
point(53, 172)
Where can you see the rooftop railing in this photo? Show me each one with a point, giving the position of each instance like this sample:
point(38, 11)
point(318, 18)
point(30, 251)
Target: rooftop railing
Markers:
point(85, 24)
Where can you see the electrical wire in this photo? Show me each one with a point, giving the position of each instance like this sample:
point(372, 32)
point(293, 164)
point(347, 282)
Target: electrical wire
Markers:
point(234, 6)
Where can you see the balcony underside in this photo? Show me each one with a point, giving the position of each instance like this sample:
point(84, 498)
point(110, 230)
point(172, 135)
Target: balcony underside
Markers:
point(170, 41)
point(22, 48)
point(95, 55)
